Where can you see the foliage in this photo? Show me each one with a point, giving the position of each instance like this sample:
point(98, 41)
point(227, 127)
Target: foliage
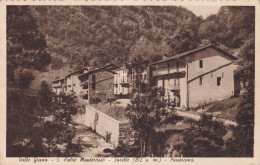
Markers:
point(231, 26)
point(144, 113)
point(204, 139)
point(94, 35)
point(26, 46)
point(57, 63)
point(46, 95)
point(26, 49)
point(45, 137)
point(242, 143)
point(146, 107)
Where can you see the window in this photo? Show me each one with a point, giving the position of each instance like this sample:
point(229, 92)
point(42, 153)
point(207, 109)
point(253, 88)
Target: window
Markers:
point(93, 82)
point(200, 80)
point(218, 81)
point(201, 63)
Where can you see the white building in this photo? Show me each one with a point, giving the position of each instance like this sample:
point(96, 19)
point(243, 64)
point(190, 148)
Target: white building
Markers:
point(69, 84)
point(196, 77)
point(122, 82)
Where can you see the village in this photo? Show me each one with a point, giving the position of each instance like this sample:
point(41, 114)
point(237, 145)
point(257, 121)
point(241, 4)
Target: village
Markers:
point(190, 80)
point(129, 81)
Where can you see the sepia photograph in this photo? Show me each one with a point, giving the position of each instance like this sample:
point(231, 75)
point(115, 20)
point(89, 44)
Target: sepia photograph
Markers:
point(130, 81)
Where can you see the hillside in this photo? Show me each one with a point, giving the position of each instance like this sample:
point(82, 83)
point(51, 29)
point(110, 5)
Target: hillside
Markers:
point(78, 36)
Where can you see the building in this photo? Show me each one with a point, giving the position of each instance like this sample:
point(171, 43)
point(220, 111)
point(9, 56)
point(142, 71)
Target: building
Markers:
point(122, 80)
point(125, 80)
point(57, 86)
point(97, 84)
point(196, 77)
point(72, 82)
point(69, 84)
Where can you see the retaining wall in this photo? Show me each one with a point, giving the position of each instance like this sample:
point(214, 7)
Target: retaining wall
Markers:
point(104, 125)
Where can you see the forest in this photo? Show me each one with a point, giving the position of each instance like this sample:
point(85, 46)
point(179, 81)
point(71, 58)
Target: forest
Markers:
point(45, 40)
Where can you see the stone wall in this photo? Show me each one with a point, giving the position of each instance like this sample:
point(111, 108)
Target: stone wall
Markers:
point(103, 85)
point(125, 134)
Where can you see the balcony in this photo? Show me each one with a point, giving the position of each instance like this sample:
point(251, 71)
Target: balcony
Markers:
point(174, 87)
point(171, 75)
point(84, 83)
point(56, 85)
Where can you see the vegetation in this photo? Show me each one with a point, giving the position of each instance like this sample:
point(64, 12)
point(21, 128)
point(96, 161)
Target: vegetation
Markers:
point(204, 139)
point(114, 111)
point(26, 49)
point(225, 109)
point(145, 112)
point(242, 143)
point(28, 134)
point(146, 108)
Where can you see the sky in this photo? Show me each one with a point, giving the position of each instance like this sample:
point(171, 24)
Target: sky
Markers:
point(203, 11)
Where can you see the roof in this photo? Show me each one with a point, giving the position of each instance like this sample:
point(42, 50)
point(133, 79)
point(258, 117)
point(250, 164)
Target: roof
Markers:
point(58, 79)
point(182, 55)
point(76, 72)
point(107, 67)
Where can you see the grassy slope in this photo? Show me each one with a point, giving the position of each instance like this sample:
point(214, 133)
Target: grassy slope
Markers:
point(226, 109)
point(116, 112)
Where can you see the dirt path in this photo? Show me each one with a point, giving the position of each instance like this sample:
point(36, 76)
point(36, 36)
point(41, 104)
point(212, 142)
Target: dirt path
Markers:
point(197, 117)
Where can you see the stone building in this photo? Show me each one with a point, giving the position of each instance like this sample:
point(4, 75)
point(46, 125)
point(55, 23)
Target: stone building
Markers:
point(97, 84)
point(196, 77)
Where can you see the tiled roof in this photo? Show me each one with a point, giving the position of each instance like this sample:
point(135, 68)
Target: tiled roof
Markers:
point(178, 56)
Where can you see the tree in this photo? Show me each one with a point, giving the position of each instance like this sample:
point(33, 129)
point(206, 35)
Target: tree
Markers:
point(46, 96)
point(63, 119)
point(204, 138)
point(242, 143)
point(26, 49)
point(146, 108)
point(135, 68)
point(144, 113)
point(26, 46)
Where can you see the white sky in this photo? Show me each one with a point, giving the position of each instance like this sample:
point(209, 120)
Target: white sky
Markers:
point(203, 11)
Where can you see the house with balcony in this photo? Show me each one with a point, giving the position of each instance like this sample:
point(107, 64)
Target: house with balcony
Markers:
point(195, 77)
point(69, 84)
point(122, 83)
point(57, 86)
